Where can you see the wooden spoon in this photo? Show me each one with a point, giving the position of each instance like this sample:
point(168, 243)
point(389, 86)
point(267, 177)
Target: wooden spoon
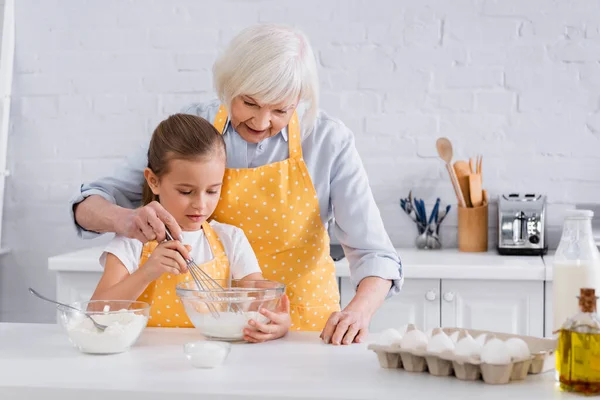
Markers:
point(444, 149)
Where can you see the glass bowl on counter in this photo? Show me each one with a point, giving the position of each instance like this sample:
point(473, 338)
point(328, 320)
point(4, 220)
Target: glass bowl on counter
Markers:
point(223, 314)
point(125, 321)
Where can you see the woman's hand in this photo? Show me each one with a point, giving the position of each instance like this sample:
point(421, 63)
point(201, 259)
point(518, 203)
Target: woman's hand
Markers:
point(148, 223)
point(278, 327)
point(352, 324)
point(166, 258)
point(346, 327)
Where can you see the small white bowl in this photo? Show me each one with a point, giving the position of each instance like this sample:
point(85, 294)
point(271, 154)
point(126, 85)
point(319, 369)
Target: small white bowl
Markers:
point(206, 353)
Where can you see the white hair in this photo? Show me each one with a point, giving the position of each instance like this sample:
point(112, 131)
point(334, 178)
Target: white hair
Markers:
point(272, 64)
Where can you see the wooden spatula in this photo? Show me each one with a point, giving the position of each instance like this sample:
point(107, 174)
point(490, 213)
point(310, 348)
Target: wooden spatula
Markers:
point(463, 171)
point(475, 190)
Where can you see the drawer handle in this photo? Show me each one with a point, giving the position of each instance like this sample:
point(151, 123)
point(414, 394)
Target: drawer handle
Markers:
point(449, 297)
point(430, 295)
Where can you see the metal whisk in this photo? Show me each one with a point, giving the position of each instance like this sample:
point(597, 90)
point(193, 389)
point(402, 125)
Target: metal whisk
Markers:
point(206, 283)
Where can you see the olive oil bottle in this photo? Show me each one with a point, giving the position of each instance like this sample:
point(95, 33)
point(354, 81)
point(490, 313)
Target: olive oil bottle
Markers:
point(578, 352)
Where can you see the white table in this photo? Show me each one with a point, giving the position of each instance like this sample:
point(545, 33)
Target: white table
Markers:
point(37, 361)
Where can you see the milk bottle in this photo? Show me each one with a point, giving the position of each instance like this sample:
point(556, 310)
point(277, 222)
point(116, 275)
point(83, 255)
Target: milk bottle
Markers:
point(576, 265)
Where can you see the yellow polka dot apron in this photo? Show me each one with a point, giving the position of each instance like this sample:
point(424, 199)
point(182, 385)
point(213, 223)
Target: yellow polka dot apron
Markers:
point(166, 309)
point(277, 207)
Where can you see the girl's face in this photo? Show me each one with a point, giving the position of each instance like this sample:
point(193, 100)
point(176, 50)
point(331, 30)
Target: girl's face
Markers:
point(255, 122)
point(190, 189)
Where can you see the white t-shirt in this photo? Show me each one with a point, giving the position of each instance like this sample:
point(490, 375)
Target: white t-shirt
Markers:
point(242, 260)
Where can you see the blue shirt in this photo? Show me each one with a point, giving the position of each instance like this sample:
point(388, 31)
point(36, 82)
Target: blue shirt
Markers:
point(336, 171)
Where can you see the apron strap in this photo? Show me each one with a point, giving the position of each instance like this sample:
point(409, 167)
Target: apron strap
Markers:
point(213, 240)
point(294, 137)
point(220, 119)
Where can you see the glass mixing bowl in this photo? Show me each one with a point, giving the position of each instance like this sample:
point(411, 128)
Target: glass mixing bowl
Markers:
point(125, 322)
point(223, 314)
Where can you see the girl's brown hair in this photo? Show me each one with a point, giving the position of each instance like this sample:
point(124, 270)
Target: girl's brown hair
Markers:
point(183, 137)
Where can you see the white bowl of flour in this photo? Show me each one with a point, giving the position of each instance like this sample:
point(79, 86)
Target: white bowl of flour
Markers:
point(125, 321)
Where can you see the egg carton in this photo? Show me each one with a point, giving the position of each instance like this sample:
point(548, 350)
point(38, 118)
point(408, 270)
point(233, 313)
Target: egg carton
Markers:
point(470, 368)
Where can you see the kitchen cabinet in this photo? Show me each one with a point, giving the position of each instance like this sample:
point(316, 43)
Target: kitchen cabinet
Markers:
point(417, 303)
point(502, 306)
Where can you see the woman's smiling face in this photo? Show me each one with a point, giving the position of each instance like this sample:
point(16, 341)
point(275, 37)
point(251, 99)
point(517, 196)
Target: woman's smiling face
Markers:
point(255, 122)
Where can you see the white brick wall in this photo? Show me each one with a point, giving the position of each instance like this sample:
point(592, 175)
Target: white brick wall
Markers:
point(514, 80)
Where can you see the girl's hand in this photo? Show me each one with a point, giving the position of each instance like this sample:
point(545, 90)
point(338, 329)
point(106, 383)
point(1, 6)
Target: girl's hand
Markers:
point(277, 328)
point(166, 258)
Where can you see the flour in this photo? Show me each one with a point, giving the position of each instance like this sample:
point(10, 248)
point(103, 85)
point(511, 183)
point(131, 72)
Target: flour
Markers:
point(229, 325)
point(123, 329)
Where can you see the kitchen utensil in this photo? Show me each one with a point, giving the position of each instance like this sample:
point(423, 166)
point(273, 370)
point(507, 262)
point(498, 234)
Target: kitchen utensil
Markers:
point(475, 190)
point(204, 281)
point(522, 224)
point(125, 321)
point(434, 211)
point(444, 149)
point(98, 326)
point(462, 170)
point(479, 162)
point(246, 296)
point(422, 211)
point(407, 207)
point(421, 240)
point(484, 194)
point(441, 218)
point(433, 240)
point(472, 166)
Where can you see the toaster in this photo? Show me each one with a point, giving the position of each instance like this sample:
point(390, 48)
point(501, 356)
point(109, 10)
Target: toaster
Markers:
point(522, 224)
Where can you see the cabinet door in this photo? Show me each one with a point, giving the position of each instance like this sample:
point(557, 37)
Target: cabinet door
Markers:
point(417, 303)
point(502, 306)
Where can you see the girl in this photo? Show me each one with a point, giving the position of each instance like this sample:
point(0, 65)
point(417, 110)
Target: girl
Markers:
point(186, 165)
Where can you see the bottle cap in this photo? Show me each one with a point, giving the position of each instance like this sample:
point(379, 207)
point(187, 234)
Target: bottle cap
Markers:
point(587, 300)
point(579, 214)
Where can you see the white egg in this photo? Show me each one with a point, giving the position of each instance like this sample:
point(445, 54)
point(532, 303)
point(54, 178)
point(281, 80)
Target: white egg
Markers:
point(403, 329)
point(495, 352)
point(389, 336)
point(481, 339)
point(468, 347)
point(454, 336)
point(413, 340)
point(440, 342)
point(518, 349)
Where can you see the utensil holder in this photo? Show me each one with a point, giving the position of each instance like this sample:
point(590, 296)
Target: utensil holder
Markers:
point(473, 229)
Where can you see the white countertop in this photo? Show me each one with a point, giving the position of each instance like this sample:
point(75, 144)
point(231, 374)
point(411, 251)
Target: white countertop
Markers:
point(37, 361)
point(417, 264)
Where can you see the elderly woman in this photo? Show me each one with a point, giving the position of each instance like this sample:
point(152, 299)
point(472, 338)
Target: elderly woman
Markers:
point(286, 179)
